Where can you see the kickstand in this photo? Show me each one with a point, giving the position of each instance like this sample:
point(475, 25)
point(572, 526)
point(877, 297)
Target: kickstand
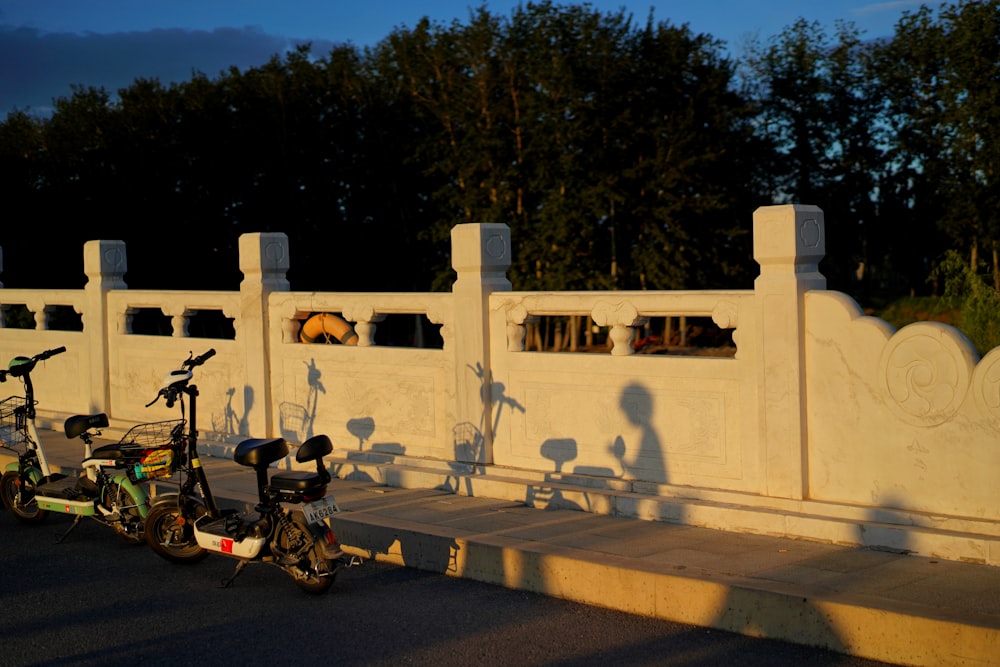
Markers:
point(226, 583)
point(76, 520)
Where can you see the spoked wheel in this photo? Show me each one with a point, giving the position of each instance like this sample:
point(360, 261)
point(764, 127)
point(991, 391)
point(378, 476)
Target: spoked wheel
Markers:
point(129, 524)
point(171, 535)
point(315, 574)
point(19, 499)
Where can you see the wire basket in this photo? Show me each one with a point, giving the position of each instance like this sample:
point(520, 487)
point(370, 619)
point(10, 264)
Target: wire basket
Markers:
point(152, 436)
point(153, 450)
point(14, 423)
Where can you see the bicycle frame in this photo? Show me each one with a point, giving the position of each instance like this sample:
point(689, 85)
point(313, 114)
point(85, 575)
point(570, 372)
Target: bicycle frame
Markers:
point(21, 429)
point(195, 477)
point(31, 488)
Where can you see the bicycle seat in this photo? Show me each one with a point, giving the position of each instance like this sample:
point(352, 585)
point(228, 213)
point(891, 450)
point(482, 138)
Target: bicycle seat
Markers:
point(109, 452)
point(260, 452)
point(79, 424)
point(298, 482)
point(295, 484)
point(314, 448)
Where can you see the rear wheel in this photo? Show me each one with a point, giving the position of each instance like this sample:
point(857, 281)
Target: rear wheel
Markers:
point(171, 535)
point(320, 575)
point(19, 499)
point(314, 574)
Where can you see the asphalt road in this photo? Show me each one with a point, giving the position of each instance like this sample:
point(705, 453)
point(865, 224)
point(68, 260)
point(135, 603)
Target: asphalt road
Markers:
point(95, 600)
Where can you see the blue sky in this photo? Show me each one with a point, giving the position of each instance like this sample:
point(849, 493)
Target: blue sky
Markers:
point(46, 45)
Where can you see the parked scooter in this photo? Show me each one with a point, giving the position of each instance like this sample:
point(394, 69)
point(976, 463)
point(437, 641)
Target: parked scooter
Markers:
point(109, 490)
point(184, 527)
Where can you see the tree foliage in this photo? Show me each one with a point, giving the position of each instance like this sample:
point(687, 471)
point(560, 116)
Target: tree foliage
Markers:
point(977, 302)
point(945, 95)
point(623, 154)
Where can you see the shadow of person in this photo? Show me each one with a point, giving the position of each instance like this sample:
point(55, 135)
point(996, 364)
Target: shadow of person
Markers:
point(648, 464)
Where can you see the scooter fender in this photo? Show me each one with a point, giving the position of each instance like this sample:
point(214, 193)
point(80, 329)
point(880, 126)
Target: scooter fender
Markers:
point(166, 499)
point(193, 507)
point(34, 474)
point(137, 492)
point(322, 535)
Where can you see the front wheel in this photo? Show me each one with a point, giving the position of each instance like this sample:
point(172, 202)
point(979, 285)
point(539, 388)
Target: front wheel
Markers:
point(19, 499)
point(171, 535)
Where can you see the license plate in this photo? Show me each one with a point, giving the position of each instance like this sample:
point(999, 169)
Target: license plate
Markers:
point(320, 509)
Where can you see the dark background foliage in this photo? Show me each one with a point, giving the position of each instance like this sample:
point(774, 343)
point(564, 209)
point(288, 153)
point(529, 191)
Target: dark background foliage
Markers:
point(622, 156)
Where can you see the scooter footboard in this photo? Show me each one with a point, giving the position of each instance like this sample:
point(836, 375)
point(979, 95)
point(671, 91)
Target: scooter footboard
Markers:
point(218, 535)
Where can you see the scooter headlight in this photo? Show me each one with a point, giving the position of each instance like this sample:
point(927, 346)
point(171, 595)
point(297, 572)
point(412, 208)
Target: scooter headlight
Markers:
point(19, 366)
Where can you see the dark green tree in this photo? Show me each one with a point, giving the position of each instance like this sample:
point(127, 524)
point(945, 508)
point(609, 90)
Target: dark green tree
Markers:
point(616, 155)
point(819, 104)
point(941, 75)
point(22, 152)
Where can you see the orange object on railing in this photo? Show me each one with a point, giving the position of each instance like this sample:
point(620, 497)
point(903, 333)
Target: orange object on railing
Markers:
point(321, 326)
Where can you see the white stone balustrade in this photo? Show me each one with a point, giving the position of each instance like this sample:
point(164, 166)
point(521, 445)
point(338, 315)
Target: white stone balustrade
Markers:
point(826, 424)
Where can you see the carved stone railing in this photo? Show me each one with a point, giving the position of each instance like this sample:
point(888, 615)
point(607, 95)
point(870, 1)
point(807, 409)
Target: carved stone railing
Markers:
point(621, 311)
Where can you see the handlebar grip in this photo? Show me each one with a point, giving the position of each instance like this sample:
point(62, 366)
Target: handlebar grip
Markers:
point(199, 360)
point(42, 356)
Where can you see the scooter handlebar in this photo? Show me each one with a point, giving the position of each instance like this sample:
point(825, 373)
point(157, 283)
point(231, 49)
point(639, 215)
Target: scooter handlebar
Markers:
point(200, 359)
point(41, 356)
point(25, 365)
point(178, 379)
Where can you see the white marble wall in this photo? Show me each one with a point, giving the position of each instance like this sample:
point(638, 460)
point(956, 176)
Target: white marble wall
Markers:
point(825, 423)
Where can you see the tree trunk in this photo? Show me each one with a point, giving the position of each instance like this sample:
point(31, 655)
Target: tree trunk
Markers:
point(996, 267)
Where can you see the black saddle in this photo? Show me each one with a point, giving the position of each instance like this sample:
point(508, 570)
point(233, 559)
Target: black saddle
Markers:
point(259, 453)
point(79, 424)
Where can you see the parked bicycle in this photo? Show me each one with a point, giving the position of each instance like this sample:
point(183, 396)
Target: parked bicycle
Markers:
point(186, 526)
point(110, 488)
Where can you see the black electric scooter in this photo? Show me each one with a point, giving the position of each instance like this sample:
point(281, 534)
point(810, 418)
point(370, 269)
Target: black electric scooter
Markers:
point(186, 526)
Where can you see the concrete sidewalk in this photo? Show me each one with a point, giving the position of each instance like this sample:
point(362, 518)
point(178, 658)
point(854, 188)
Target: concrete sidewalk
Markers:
point(885, 606)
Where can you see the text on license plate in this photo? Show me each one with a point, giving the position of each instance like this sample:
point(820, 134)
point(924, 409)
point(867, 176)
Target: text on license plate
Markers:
point(320, 509)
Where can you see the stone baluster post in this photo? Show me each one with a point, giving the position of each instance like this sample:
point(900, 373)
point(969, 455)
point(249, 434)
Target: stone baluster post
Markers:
point(105, 264)
point(264, 262)
point(481, 255)
point(789, 242)
point(622, 317)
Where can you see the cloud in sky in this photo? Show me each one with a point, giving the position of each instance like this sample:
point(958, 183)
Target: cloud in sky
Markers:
point(44, 65)
point(894, 8)
point(49, 45)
